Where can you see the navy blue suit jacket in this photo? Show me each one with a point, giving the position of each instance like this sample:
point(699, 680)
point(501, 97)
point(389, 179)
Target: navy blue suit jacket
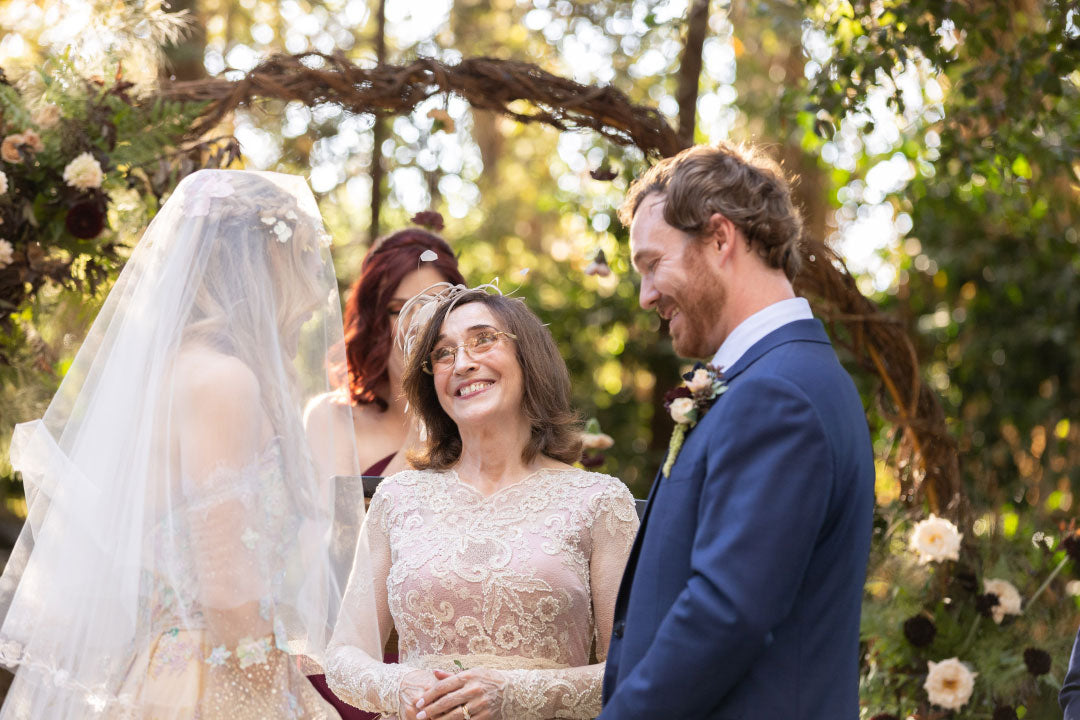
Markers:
point(742, 593)
point(1070, 689)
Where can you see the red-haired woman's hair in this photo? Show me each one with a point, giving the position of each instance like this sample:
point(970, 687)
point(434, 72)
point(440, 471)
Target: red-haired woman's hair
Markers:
point(367, 316)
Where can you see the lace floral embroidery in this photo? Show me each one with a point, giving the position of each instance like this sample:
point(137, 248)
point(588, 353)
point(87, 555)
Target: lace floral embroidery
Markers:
point(502, 581)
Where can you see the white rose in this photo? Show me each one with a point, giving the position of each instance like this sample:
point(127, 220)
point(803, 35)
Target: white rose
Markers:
point(46, 116)
point(699, 381)
point(84, 173)
point(681, 409)
point(935, 539)
point(596, 441)
point(3, 182)
point(7, 253)
point(949, 684)
point(1008, 598)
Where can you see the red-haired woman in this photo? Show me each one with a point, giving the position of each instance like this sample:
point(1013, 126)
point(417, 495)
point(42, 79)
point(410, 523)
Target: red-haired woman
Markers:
point(398, 267)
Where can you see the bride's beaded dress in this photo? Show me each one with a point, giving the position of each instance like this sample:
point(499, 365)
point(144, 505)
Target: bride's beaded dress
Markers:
point(522, 581)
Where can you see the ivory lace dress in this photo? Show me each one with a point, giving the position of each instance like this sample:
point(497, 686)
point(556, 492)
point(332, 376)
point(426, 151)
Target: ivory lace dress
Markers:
point(522, 581)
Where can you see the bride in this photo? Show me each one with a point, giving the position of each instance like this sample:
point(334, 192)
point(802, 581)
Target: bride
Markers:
point(496, 560)
point(176, 561)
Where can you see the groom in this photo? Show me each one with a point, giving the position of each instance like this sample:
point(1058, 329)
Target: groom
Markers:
point(742, 593)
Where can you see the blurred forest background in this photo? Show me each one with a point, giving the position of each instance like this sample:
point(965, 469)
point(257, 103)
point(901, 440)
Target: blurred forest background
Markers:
point(937, 146)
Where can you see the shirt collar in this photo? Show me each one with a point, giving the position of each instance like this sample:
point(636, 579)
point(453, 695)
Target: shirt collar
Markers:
point(757, 326)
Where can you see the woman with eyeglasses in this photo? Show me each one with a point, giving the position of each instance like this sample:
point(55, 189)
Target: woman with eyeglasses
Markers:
point(496, 560)
point(397, 267)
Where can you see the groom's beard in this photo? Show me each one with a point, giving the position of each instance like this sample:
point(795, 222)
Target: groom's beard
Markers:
point(701, 304)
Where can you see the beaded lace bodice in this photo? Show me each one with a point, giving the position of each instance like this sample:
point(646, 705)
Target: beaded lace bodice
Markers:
point(522, 581)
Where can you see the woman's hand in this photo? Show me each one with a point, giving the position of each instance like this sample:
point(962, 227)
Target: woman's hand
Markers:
point(412, 689)
point(479, 690)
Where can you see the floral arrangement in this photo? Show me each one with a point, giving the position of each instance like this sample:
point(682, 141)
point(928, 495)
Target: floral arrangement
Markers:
point(965, 625)
point(688, 403)
point(594, 442)
point(72, 149)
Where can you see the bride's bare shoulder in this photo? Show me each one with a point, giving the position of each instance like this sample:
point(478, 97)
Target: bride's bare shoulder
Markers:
point(204, 374)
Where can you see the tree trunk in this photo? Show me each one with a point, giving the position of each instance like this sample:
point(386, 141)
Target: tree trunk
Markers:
point(697, 25)
point(490, 141)
point(378, 133)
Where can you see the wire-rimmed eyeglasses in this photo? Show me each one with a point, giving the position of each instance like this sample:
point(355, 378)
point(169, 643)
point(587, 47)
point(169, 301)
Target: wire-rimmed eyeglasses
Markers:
point(480, 343)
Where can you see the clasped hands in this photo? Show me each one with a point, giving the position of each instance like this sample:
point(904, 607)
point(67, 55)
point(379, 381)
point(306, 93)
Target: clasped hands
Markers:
point(438, 695)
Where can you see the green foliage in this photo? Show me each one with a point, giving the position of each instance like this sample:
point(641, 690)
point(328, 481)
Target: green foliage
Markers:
point(149, 131)
point(993, 269)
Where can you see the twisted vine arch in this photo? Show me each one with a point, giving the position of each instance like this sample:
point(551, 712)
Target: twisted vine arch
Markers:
point(524, 92)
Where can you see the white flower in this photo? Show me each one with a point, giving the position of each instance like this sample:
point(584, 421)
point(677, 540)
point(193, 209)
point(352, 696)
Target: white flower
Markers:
point(3, 182)
point(683, 410)
point(97, 701)
point(7, 254)
point(949, 684)
point(700, 380)
point(84, 173)
point(46, 116)
point(10, 651)
point(252, 652)
point(250, 538)
point(218, 655)
point(935, 539)
point(1007, 595)
point(280, 228)
point(596, 441)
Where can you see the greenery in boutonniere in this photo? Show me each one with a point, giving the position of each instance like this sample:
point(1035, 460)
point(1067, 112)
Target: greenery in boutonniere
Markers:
point(688, 402)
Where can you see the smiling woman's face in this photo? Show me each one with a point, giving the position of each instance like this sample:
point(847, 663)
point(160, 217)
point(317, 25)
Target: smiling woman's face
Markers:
point(487, 388)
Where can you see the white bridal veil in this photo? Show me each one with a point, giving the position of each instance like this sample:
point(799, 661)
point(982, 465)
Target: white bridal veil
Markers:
point(179, 517)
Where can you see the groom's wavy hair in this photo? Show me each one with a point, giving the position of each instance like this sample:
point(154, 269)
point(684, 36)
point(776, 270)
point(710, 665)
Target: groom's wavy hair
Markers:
point(741, 183)
point(546, 402)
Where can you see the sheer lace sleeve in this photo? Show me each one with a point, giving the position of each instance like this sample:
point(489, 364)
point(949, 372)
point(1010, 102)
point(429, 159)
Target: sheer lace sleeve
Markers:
point(220, 427)
point(352, 672)
point(574, 693)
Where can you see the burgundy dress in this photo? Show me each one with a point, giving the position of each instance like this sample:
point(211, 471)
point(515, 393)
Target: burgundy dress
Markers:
point(348, 712)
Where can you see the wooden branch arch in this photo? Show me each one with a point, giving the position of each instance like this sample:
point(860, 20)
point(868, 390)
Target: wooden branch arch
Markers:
point(529, 94)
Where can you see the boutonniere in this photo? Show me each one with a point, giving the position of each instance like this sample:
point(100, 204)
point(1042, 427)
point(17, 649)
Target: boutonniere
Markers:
point(688, 402)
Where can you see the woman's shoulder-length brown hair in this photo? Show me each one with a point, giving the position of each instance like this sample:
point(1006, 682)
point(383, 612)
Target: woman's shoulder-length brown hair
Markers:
point(546, 402)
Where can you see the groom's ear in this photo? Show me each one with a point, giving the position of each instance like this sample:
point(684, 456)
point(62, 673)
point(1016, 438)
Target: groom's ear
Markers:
point(721, 234)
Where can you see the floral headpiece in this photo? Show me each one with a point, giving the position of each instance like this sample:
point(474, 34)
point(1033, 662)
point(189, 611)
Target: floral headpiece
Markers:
point(421, 309)
point(217, 186)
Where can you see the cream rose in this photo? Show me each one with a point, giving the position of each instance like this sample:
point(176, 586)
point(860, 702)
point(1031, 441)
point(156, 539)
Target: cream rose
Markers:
point(949, 684)
point(3, 182)
point(7, 254)
point(699, 381)
point(84, 172)
point(935, 539)
point(1008, 598)
point(46, 116)
point(596, 441)
point(682, 409)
